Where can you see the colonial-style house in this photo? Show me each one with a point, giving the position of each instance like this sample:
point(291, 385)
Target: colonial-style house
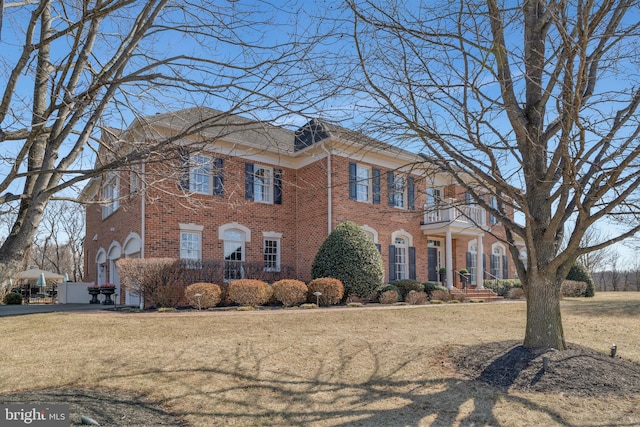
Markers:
point(244, 192)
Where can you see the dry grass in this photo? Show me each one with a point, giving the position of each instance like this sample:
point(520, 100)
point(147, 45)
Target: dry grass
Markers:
point(323, 367)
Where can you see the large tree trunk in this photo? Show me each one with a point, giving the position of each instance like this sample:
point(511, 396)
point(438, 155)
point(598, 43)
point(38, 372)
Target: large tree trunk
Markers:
point(544, 320)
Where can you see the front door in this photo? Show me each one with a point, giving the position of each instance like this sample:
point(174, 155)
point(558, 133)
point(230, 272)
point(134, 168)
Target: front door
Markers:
point(432, 260)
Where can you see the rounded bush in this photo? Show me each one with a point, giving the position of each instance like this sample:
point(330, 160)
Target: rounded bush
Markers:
point(248, 292)
point(331, 289)
point(429, 287)
point(290, 292)
point(516, 293)
point(389, 297)
point(417, 298)
point(579, 273)
point(209, 295)
point(12, 298)
point(407, 285)
point(349, 255)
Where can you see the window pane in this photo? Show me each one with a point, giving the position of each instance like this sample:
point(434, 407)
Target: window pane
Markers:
point(199, 174)
point(262, 184)
point(398, 192)
point(362, 186)
point(271, 255)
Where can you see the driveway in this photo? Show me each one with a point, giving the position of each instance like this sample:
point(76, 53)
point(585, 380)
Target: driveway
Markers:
point(19, 310)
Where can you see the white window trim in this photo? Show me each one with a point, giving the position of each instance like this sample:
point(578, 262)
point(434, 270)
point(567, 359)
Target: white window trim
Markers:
point(232, 225)
point(192, 229)
point(502, 250)
point(404, 267)
point(404, 234)
point(276, 237)
point(371, 231)
point(112, 203)
point(367, 183)
point(403, 191)
point(200, 162)
point(267, 190)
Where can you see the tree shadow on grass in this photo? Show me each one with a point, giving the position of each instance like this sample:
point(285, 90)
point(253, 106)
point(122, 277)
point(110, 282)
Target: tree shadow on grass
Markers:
point(243, 392)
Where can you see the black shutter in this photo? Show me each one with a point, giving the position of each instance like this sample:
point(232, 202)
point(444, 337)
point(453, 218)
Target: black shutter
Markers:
point(469, 261)
point(184, 169)
point(505, 267)
point(411, 196)
point(248, 181)
point(277, 186)
point(390, 188)
point(379, 247)
point(376, 186)
point(353, 185)
point(392, 263)
point(218, 177)
point(412, 263)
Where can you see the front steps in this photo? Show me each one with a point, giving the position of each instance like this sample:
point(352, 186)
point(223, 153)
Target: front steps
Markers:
point(477, 294)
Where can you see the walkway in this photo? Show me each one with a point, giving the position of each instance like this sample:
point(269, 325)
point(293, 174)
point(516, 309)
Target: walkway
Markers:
point(19, 310)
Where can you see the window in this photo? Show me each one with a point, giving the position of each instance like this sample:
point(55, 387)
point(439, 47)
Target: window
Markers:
point(399, 192)
point(497, 262)
point(493, 202)
point(262, 184)
point(402, 266)
point(472, 260)
point(135, 181)
point(189, 246)
point(434, 196)
point(233, 254)
point(202, 174)
point(363, 183)
point(110, 195)
point(271, 255)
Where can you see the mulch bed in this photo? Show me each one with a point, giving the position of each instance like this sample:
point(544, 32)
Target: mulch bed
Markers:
point(578, 371)
point(106, 407)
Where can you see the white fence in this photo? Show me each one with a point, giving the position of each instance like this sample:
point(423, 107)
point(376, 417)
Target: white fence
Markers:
point(73, 293)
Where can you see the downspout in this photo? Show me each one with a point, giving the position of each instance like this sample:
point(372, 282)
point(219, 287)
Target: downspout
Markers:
point(329, 201)
point(143, 214)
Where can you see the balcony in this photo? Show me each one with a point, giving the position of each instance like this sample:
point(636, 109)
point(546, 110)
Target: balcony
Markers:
point(450, 213)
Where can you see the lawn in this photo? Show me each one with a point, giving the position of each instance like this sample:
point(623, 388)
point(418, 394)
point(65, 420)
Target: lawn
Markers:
point(322, 367)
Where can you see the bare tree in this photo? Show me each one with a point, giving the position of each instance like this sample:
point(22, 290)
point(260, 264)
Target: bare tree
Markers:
point(73, 70)
point(535, 102)
point(59, 241)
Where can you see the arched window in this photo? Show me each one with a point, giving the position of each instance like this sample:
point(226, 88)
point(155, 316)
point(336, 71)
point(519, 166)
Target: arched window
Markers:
point(401, 258)
point(498, 261)
point(234, 237)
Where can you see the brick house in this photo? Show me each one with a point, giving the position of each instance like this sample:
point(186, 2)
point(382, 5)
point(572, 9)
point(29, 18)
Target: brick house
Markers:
point(244, 192)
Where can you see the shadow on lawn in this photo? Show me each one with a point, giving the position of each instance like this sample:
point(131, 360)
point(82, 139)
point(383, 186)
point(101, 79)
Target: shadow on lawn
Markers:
point(251, 393)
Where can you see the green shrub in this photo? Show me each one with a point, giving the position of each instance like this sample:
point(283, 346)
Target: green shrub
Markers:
point(248, 292)
point(203, 295)
point(290, 292)
point(429, 287)
point(579, 273)
point(502, 286)
point(407, 285)
point(308, 305)
point(331, 289)
point(12, 298)
point(349, 255)
point(355, 304)
point(389, 297)
point(417, 298)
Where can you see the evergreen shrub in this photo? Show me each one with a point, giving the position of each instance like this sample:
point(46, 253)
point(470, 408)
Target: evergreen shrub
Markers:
point(12, 298)
point(349, 255)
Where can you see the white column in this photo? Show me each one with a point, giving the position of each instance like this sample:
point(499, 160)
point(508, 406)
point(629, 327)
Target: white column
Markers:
point(449, 259)
point(479, 266)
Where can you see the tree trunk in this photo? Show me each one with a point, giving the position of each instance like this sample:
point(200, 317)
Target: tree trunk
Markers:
point(544, 321)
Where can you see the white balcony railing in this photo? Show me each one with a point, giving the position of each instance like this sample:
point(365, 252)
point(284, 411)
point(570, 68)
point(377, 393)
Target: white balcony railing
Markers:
point(471, 214)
